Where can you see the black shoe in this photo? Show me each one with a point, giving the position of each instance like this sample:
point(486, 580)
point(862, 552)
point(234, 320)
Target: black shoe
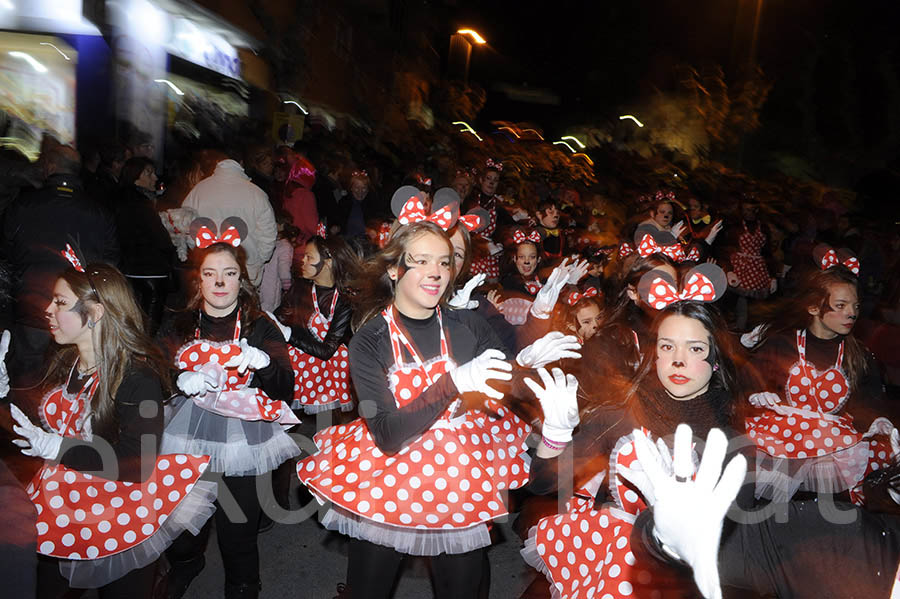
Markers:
point(181, 574)
point(242, 591)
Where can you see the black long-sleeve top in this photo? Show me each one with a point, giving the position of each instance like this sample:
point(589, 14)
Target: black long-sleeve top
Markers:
point(371, 358)
point(296, 310)
point(276, 379)
point(139, 416)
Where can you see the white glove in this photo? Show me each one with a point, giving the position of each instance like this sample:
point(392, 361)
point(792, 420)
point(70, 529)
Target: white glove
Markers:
point(773, 285)
point(474, 374)
point(545, 300)
point(764, 399)
point(577, 271)
point(687, 513)
point(194, 383)
point(519, 215)
point(35, 442)
point(494, 248)
point(460, 299)
point(559, 402)
point(285, 330)
point(551, 347)
point(714, 232)
point(4, 374)
point(677, 229)
point(749, 340)
point(251, 358)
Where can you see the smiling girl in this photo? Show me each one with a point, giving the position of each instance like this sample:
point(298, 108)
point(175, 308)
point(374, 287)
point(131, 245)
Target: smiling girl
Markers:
point(235, 377)
point(526, 258)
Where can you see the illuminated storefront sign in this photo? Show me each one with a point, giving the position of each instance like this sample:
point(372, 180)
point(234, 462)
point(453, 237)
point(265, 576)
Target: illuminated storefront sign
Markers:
point(204, 48)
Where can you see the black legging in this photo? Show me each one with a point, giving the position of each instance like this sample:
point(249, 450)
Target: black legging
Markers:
point(237, 540)
point(372, 569)
point(137, 584)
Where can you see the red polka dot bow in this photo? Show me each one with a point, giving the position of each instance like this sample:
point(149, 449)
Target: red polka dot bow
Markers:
point(693, 255)
point(321, 231)
point(520, 237)
point(577, 296)
point(533, 286)
point(698, 288)
point(205, 237)
point(384, 234)
point(494, 164)
point(470, 221)
point(69, 254)
point(648, 247)
point(413, 212)
point(830, 258)
point(625, 250)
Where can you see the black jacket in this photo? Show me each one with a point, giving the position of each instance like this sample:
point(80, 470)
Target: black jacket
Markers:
point(146, 246)
point(37, 227)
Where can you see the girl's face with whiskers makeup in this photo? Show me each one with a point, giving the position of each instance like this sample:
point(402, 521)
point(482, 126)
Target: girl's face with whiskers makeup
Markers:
point(424, 276)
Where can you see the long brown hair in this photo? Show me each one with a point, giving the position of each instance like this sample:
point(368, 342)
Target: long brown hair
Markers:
point(814, 291)
point(119, 340)
point(248, 300)
point(345, 262)
point(374, 285)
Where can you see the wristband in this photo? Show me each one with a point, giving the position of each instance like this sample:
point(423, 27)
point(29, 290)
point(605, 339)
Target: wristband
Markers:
point(553, 444)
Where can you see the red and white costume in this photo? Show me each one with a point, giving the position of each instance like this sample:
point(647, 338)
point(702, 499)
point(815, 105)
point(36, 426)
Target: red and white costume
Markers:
point(440, 491)
point(489, 265)
point(102, 528)
point(321, 385)
point(749, 264)
point(586, 552)
point(808, 444)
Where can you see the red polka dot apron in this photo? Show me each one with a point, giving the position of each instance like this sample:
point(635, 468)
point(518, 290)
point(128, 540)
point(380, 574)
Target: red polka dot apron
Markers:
point(450, 478)
point(586, 552)
point(489, 265)
point(515, 310)
point(321, 384)
point(234, 397)
point(84, 517)
point(810, 428)
point(749, 264)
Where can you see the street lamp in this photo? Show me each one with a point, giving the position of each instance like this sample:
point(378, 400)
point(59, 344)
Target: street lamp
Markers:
point(474, 35)
point(631, 117)
point(461, 51)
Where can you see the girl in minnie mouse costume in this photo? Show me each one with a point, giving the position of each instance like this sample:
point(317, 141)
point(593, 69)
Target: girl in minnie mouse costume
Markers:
point(107, 503)
point(235, 378)
point(486, 197)
point(586, 551)
point(319, 317)
point(526, 258)
point(421, 473)
point(812, 369)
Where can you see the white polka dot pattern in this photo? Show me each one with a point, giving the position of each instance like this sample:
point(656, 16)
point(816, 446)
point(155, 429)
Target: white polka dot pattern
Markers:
point(320, 382)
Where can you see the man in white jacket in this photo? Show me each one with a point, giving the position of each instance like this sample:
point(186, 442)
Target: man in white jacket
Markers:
point(229, 192)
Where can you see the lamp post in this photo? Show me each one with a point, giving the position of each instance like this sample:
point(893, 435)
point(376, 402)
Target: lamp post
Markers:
point(461, 52)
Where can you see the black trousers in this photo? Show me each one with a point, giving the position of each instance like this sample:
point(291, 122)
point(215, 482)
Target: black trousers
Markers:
point(372, 570)
point(151, 297)
point(137, 584)
point(237, 540)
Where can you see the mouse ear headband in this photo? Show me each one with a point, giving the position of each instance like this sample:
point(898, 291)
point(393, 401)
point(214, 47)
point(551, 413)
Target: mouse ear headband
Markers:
point(72, 256)
point(204, 232)
point(827, 257)
point(703, 283)
point(408, 206)
point(650, 241)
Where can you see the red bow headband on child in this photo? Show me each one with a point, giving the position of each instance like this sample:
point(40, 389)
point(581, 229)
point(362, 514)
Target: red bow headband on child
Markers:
point(649, 246)
point(321, 231)
point(69, 254)
point(705, 283)
point(520, 237)
point(826, 257)
point(492, 164)
point(203, 230)
point(577, 296)
point(413, 212)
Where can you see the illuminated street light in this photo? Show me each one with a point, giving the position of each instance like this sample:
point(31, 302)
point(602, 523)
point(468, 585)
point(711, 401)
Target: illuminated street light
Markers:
point(628, 116)
point(30, 60)
point(297, 104)
point(61, 53)
point(556, 143)
point(575, 139)
point(171, 85)
point(474, 35)
point(467, 128)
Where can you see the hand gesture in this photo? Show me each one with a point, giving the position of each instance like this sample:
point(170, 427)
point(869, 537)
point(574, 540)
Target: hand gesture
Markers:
point(475, 374)
point(545, 300)
point(285, 330)
point(460, 299)
point(493, 296)
point(35, 441)
point(764, 399)
point(577, 271)
point(677, 229)
point(250, 358)
point(688, 514)
point(551, 347)
point(194, 383)
point(559, 402)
